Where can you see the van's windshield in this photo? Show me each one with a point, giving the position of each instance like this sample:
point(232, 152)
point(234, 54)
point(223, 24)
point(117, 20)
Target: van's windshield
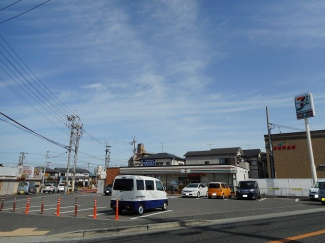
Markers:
point(123, 184)
point(246, 185)
point(322, 185)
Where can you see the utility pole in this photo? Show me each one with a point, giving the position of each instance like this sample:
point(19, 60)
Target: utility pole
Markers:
point(88, 166)
point(270, 145)
point(162, 147)
point(107, 155)
point(134, 150)
point(21, 158)
point(70, 119)
point(47, 154)
point(78, 135)
point(210, 145)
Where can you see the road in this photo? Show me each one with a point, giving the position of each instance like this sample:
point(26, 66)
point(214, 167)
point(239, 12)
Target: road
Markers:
point(308, 228)
point(182, 212)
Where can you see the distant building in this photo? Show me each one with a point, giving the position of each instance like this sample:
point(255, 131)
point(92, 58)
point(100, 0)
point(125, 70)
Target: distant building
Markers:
point(291, 154)
point(257, 163)
point(161, 159)
point(218, 156)
point(225, 165)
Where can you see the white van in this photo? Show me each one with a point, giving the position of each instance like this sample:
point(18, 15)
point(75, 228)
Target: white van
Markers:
point(138, 193)
point(313, 192)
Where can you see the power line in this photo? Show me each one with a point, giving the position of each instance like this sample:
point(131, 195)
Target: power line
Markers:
point(24, 12)
point(290, 128)
point(35, 133)
point(10, 5)
point(46, 89)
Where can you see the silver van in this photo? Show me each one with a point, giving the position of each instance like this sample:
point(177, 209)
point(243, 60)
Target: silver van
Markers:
point(26, 187)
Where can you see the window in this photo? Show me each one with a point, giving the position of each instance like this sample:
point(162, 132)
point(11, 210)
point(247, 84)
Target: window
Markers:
point(214, 185)
point(140, 185)
point(150, 185)
point(123, 184)
point(167, 163)
point(159, 163)
point(224, 161)
point(207, 162)
point(159, 186)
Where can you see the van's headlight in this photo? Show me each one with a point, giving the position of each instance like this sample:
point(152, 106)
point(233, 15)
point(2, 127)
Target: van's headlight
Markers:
point(252, 190)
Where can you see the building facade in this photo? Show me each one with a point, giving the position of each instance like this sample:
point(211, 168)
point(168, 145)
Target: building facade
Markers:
point(291, 154)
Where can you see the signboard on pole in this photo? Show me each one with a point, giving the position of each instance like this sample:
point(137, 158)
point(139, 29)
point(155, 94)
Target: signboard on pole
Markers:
point(304, 106)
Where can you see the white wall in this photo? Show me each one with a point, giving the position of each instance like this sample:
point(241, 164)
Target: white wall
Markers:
point(285, 187)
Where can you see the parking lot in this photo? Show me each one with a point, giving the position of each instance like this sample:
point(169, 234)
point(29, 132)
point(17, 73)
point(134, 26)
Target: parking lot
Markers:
point(96, 206)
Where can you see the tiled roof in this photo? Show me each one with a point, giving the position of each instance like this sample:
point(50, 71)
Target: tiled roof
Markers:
point(162, 156)
point(251, 152)
point(218, 151)
point(78, 170)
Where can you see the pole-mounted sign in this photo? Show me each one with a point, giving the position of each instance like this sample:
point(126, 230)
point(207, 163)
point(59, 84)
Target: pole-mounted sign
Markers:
point(304, 106)
point(304, 109)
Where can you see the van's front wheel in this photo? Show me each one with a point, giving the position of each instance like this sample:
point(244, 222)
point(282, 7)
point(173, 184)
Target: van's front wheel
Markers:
point(140, 209)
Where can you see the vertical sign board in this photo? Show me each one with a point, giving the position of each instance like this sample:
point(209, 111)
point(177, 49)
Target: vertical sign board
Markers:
point(304, 109)
point(304, 106)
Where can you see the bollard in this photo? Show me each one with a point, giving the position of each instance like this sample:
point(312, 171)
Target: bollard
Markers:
point(76, 208)
point(58, 207)
point(42, 206)
point(95, 209)
point(2, 203)
point(116, 210)
point(14, 205)
point(27, 206)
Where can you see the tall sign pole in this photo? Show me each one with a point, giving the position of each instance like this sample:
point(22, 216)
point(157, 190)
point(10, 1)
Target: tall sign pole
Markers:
point(272, 167)
point(304, 109)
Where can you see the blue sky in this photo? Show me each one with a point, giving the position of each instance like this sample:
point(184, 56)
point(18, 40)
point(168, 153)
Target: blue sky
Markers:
point(178, 75)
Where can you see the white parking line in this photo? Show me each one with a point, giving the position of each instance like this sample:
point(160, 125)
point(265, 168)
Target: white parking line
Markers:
point(24, 207)
point(51, 208)
point(85, 209)
point(262, 199)
point(148, 215)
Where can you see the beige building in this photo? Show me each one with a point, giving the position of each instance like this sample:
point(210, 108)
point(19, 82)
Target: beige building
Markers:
point(291, 155)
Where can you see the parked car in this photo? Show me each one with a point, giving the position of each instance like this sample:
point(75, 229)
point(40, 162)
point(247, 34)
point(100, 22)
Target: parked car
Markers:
point(195, 190)
point(60, 187)
point(248, 189)
point(218, 190)
point(313, 192)
point(108, 190)
point(49, 188)
point(26, 188)
point(321, 192)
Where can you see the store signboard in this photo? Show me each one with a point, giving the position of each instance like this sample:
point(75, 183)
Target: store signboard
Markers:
point(304, 106)
point(149, 162)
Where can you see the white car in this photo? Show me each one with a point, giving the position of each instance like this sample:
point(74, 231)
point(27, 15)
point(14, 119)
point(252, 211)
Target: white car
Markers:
point(60, 187)
point(49, 188)
point(195, 190)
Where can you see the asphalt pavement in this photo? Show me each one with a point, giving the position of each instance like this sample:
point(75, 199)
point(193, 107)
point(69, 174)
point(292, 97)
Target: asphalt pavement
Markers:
point(45, 225)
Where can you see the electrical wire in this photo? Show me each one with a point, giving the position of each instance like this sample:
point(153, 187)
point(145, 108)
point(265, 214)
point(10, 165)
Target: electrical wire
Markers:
point(10, 5)
point(45, 89)
point(24, 12)
point(35, 133)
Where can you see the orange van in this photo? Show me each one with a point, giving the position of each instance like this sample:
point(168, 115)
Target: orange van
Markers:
point(218, 190)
